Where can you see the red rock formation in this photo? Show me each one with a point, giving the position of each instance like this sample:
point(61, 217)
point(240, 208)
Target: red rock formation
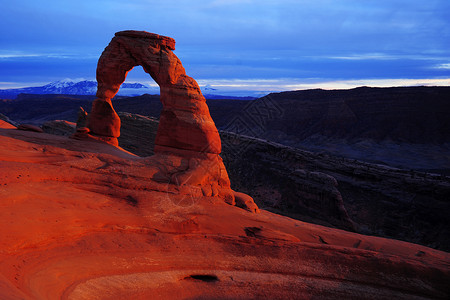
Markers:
point(83, 220)
point(187, 144)
point(185, 122)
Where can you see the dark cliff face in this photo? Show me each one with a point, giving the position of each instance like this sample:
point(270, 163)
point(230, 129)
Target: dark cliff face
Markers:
point(281, 181)
point(413, 115)
point(376, 199)
point(36, 109)
point(406, 115)
point(403, 127)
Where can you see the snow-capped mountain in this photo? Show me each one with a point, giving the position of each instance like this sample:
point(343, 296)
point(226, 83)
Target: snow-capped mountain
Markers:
point(84, 87)
point(208, 87)
point(89, 87)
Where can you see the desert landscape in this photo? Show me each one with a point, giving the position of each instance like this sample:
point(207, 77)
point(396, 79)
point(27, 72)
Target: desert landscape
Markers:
point(179, 197)
point(224, 149)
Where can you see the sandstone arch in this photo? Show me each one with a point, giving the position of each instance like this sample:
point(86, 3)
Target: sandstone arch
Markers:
point(187, 144)
point(185, 122)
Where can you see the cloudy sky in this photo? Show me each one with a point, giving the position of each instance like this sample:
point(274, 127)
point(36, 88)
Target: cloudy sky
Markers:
point(236, 44)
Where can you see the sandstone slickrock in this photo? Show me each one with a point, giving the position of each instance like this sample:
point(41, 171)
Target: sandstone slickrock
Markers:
point(4, 124)
point(187, 143)
point(5, 119)
point(81, 220)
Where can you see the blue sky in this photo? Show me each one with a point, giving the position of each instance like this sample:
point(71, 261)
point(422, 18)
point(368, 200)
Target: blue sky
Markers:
point(229, 44)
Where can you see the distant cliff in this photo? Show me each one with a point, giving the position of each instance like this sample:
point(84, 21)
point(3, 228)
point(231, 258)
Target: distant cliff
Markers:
point(408, 127)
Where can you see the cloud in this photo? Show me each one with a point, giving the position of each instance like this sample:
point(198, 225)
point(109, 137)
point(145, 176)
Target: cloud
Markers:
point(234, 38)
point(229, 2)
point(19, 55)
point(18, 85)
point(385, 56)
point(388, 82)
point(289, 84)
point(14, 55)
point(368, 56)
point(445, 66)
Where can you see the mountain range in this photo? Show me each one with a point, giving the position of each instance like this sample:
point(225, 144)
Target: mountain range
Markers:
point(71, 87)
point(89, 87)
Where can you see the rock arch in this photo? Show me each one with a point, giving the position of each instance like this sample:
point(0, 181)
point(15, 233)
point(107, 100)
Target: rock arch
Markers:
point(187, 144)
point(185, 122)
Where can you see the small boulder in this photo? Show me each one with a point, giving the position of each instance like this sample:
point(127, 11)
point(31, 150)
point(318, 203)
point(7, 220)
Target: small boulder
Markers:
point(246, 202)
point(29, 127)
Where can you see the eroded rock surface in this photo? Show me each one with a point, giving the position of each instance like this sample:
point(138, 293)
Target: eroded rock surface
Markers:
point(82, 220)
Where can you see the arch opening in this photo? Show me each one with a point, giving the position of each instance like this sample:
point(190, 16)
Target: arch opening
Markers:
point(137, 83)
point(139, 113)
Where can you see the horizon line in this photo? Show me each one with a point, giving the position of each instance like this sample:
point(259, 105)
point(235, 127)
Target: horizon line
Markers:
point(267, 85)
